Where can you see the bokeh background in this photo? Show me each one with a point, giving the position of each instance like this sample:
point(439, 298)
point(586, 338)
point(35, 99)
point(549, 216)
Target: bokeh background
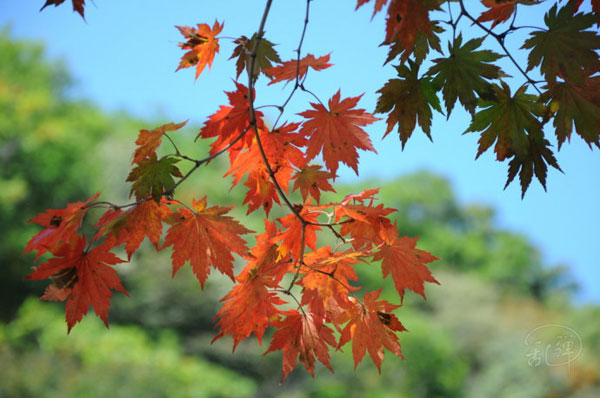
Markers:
point(73, 95)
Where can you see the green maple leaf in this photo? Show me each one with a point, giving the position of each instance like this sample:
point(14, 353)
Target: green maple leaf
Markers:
point(152, 177)
point(534, 161)
point(566, 49)
point(408, 100)
point(512, 122)
point(576, 105)
point(464, 74)
point(506, 121)
point(265, 55)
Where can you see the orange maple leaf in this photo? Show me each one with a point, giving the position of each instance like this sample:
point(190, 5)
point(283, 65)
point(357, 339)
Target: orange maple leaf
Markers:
point(325, 282)
point(289, 70)
point(292, 236)
point(203, 46)
point(312, 180)
point(371, 327)
point(281, 150)
point(229, 122)
point(84, 278)
point(149, 140)
point(406, 264)
point(205, 237)
point(337, 132)
point(369, 224)
point(133, 226)
point(61, 225)
point(300, 337)
point(248, 307)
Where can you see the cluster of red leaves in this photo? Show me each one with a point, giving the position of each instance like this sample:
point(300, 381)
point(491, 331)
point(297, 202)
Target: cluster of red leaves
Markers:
point(307, 291)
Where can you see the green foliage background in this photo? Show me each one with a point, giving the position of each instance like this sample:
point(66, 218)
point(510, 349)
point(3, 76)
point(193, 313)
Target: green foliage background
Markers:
point(466, 340)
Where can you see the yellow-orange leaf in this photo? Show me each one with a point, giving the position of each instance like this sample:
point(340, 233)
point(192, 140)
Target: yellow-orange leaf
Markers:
point(149, 140)
point(202, 45)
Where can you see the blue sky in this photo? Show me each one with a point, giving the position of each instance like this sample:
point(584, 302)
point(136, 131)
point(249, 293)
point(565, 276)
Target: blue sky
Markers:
point(125, 55)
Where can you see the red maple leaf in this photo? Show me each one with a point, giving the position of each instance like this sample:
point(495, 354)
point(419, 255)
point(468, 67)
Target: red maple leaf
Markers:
point(406, 264)
point(83, 277)
point(378, 5)
point(337, 132)
point(289, 70)
point(78, 5)
point(405, 19)
point(371, 327)
point(595, 5)
point(61, 225)
point(133, 226)
point(205, 237)
point(202, 45)
point(300, 337)
point(499, 11)
point(149, 140)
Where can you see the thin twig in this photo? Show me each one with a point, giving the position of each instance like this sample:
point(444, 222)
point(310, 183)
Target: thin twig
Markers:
point(500, 39)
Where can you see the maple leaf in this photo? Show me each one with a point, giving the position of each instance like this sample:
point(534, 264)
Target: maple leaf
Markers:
point(293, 237)
point(326, 278)
point(89, 279)
point(464, 73)
point(567, 49)
point(133, 226)
point(311, 181)
point(61, 225)
point(264, 259)
point(149, 140)
point(501, 10)
point(407, 18)
point(423, 43)
point(406, 264)
point(376, 8)
point(229, 122)
point(152, 177)
point(369, 224)
point(294, 69)
point(78, 5)
point(280, 147)
point(337, 132)
point(512, 123)
point(248, 308)
point(576, 105)
point(371, 327)
point(265, 55)
point(506, 121)
point(205, 238)
point(533, 161)
point(300, 337)
point(408, 100)
point(202, 43)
